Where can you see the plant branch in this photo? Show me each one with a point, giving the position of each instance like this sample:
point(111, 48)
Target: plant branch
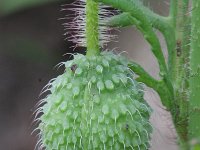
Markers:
point(133, 8)
point(163, 24)
point(152, 39)
point(158, 86)
point(143, 75)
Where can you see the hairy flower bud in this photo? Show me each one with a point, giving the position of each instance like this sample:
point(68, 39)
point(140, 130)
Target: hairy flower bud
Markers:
point(95, 104)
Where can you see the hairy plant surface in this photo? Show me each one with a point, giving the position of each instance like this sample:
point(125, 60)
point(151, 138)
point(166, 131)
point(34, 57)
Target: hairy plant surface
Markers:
point(95, 104)
point(98, 102)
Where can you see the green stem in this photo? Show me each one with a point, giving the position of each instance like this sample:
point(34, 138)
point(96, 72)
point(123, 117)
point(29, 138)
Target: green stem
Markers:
point(171, 37)
point(179, 71)
point(133, 7)
point(173, 11)
point(92, 28)
point(143, 75)
point(194, 99)
point(163, 24)
point(134, 14)
point(159, 86)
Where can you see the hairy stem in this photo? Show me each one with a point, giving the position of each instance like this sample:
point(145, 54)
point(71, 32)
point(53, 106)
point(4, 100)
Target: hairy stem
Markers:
point(159, 86)
point(171, 37)
point(179, 70)
point(166, 25)
point(194, 99)
point(92, 28)
point(133, 7)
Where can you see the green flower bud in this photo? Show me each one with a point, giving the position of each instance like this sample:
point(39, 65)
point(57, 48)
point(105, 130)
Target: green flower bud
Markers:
point(108, 112)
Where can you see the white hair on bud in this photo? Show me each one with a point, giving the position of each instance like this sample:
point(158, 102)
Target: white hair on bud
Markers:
point(75, 26)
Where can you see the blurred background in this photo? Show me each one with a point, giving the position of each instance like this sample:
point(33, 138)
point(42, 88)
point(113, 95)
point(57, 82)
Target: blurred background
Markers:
point(32, 43)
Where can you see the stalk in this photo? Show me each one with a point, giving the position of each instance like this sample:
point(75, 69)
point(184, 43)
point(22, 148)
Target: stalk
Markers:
point(194, 98)
point(92, 28)
point(180, 71)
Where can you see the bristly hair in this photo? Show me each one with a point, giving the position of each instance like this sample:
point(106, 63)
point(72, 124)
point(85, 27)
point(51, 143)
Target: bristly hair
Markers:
point(75, 26)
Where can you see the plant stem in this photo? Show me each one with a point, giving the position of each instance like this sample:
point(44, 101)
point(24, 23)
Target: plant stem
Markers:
point(92, 28)
point(173, 11)
point(137, 14)
point(171, 37)
point(166, 25)
point(194, 99)
point(158, 85)
point(179, 70)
